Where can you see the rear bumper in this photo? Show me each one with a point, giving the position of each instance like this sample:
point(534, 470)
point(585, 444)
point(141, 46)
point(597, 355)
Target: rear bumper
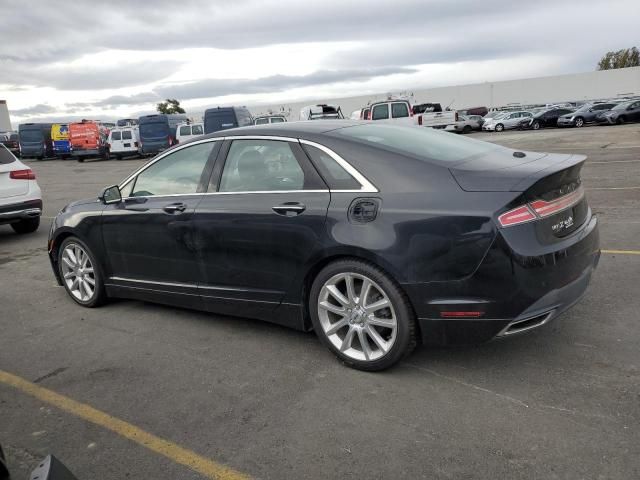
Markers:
point(86, 153)
point(514, 292)
point(20, 211)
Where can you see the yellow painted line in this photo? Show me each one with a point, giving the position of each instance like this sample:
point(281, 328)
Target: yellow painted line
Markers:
point(622, 252)
point(176, 453)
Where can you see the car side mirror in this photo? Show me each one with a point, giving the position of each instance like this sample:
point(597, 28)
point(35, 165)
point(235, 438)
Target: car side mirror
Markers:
point(111, 195)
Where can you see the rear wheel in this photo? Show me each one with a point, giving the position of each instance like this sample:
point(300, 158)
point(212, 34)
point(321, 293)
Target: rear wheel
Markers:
point(536, 125)
point(28, 225)
point(80, 273)
point(579, 122)
point(118, 157)
point(81, 159)
point(467, 129)
point(361, 315)
point(499, 127)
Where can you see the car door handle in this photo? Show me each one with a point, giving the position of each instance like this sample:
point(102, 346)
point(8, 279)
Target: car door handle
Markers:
point(289, 209)
point(175, 208)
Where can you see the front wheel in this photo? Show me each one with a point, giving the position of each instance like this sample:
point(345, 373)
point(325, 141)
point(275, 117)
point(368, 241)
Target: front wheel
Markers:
point(579, 122)
point(536, 125)
point(80, 273)
point(499, 127)
point(29, 225)
point(620, 120)
point(361, 315)
point(467, 129)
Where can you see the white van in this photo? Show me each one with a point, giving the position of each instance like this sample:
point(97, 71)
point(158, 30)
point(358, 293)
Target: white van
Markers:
point(187, 131)
point(266, 119)
point(124, 141)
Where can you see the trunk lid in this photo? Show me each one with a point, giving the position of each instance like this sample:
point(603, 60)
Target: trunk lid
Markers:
point(507, 171)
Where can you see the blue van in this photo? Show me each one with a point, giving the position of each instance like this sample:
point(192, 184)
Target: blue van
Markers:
point(35, 140)
point(158, 132)
point(222, 118)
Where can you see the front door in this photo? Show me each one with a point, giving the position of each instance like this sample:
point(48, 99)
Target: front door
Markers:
point(261, 222)
point(149, 235)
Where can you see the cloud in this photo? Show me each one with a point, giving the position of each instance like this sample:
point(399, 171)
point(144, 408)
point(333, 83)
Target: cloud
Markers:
point(38, 109)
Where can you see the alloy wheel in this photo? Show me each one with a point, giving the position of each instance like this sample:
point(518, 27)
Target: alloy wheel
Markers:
point(357, 316)
point(579, 122)
point(78, 273)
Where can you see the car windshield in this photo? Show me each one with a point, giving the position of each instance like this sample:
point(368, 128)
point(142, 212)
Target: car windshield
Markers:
point(496, 115)
point(31, 135)
point(422, 143)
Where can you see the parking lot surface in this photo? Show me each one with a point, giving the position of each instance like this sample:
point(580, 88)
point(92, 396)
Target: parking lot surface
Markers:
point(562, 402)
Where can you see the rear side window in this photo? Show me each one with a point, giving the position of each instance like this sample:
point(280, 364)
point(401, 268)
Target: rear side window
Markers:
point(126, 135)
point(115, 136)
point(380, 112)
point(331, 171)
point(277, 120)
point(197, 130)
point(5, 155)
point(185, 130)
point(262, 121)
point(399, 110)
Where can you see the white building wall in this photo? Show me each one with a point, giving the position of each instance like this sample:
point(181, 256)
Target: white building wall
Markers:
point(5, 121)
point(541, 90)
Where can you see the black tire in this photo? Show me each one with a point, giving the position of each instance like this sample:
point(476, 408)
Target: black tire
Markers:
point(81, 159)
point(100, 295)
point(28, 225)
point(620, 120)
point(118, 157)
point(467, 129)
point(535, 125)
point(405, 340)
point(106, 155)
point(499, 127)
point(578, 122)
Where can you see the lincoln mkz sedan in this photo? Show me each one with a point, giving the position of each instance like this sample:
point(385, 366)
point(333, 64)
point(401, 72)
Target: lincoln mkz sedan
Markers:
point(378, 237)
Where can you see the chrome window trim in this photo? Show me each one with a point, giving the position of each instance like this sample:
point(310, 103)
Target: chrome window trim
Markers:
point(366, 185)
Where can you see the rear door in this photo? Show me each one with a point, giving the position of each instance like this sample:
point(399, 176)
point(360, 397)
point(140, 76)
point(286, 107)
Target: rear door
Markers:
point(128, 142)
point(260, 223)
point(116, 141)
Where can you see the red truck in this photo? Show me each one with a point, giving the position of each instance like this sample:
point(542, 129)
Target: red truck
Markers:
point(88, 139)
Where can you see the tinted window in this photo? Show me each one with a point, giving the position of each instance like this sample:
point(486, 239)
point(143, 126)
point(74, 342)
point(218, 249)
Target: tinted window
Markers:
point(219, 120)
point(418, 142)
point(197, 130)
point(31, 135)
point(262, 121)
point(380, 112)
point(13, 137)
point(5, 155)
point(261, 165)
point(185, 130)
point(154, 130)
point(336, 177)
point(177, 173)
point(244, 117)
point(126, 135)
point(603, 106)
point(399, 110)
point(620, 106)
point(277, 120)
point(115, 136)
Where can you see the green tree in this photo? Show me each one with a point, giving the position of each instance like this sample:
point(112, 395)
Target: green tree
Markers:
point(626, 57)
point(170, 106)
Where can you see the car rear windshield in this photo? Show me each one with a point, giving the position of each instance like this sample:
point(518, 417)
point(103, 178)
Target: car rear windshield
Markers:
point(197, 130)
point(219, 120)
point(116, 135)
point(6, 156)
point(31, 135)
point(419, 142)
point(154, 130)
point(126, 134)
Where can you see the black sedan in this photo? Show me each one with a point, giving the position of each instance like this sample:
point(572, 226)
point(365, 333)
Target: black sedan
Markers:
point(545, 118)
point(378, 237)
point(621, 113)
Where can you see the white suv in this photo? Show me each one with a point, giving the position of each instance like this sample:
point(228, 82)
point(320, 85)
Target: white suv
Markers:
point(20, 196)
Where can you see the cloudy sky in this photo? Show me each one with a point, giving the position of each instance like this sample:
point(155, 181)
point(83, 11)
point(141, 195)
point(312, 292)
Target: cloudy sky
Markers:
point(118, 58)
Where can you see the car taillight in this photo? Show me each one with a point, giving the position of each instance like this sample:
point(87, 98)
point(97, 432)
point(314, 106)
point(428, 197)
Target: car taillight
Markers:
point(456, 116)
point(419, 119)
point(22, 174)
point(135, 144)
point(540, 209)
point(170, 140)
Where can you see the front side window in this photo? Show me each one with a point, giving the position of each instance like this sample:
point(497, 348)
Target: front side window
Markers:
point(126, 135)
point(197, 130)
point(380, 112)
point(277, 120)
point(399, 110)
point(177, 173)
point(262, 121)
point(115, 136)
point(261, 166)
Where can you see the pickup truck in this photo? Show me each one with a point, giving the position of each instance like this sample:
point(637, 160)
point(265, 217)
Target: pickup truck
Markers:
point(425, 115)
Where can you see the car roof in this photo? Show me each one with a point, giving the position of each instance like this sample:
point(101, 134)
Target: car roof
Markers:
point(288, 129)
